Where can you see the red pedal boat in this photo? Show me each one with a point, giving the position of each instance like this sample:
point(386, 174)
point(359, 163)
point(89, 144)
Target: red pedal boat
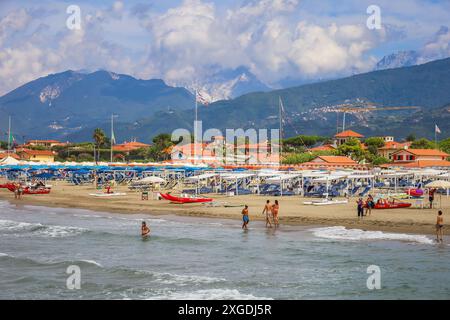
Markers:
point(184, 199)
point(385, 204)
point(28, 190)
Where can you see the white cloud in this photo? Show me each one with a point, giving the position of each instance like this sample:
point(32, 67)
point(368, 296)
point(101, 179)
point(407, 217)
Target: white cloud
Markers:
point(438, 47)
point(261, 35)
point(275, 39)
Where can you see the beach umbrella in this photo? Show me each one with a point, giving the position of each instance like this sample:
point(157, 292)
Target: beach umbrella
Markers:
point(439, 184)
point(151, 179)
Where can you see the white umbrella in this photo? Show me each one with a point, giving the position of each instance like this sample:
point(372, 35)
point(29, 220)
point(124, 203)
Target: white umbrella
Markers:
point(439, 184)
point(151, 179)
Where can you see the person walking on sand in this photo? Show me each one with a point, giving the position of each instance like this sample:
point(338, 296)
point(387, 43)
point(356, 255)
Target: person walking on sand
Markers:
point(268, 212)
point(275, 210)
point(360, 204)
point(245, 217)
point(439, 227)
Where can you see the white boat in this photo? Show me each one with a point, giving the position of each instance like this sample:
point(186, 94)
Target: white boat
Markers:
point(325, 202)
point(330, 202)
point(108, 195)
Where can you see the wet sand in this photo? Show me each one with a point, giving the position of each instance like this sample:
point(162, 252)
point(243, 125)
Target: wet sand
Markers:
point(292, 209)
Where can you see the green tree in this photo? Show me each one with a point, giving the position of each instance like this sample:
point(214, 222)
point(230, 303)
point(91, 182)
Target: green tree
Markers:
point(423, 144)
point(444, 145)
point(161, 143)
point(297, 158)
point(376, 161)
point(373, 144)
point(99, 138)
point(352, 148)
point(303, 141)
point(411, 137)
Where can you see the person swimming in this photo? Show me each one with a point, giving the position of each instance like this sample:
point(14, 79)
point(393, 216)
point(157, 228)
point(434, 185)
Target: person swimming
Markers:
point(145, 230)
point(245, 218)
point(439, 227)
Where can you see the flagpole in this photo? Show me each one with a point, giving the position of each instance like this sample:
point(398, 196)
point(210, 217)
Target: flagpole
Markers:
point(9, 134)
point(281, 128)
point(112, 135)
point(195, 128)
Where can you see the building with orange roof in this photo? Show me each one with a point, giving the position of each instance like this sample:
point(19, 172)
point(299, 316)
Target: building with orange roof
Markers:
point(419, 158)
point(36, 155)
point(391, 146)
point(345, 136)
point(325, 147)
point(331, 162)
point(130, 146)
point(5, 155)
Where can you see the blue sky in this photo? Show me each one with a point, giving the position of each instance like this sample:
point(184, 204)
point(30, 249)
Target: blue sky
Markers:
point(184, 41)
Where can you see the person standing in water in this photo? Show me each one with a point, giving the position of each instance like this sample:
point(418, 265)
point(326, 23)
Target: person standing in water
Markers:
point(245, 217)
point(439, 227)
point(145, 230)
point(275, 210)
point(268, 211)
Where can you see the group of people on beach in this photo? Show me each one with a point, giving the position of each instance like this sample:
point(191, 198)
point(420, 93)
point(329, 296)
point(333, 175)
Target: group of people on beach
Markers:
point(368, 205)
point(270, 211)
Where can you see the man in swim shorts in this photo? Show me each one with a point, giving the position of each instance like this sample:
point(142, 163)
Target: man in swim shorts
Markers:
point(268, 211)
point(245, 218)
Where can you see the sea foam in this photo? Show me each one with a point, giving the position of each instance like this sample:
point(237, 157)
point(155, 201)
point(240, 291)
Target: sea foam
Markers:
point(210, 294)
point(24, 228)
point(342, 233)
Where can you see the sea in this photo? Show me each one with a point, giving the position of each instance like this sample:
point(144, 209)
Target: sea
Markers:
point(55, 253)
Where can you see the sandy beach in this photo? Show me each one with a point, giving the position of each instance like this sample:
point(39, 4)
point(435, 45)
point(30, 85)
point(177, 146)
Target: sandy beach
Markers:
point(292, 212)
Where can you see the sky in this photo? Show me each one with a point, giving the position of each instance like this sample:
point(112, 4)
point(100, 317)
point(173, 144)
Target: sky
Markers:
point(185, 40)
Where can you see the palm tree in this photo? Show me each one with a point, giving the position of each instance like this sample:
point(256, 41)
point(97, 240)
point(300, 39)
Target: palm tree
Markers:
point(100, 139)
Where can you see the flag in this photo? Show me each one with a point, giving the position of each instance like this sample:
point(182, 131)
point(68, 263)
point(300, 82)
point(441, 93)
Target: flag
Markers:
point(436, 129)
point(113, 138)
point(282, 112)
point(202, 98)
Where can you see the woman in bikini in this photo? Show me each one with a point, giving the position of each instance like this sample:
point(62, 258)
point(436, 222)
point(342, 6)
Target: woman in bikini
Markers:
point(275, 210)
point(439, 227)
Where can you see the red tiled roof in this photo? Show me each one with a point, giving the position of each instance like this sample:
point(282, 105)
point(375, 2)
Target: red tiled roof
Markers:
point(36, 152)
point(348, 134)
point(420, 164)
point(325, 147)
point(425, 152)
point(130, 146)
point(6, 155)
point(337, 159)
point(392, 145)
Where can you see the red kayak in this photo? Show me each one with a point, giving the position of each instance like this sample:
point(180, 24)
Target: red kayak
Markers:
point(28, 190)
point(184, 199)
point(385, 204)
point(414, 192)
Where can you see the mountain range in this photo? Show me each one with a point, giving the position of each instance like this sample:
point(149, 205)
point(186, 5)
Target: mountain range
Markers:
point(70, 105)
